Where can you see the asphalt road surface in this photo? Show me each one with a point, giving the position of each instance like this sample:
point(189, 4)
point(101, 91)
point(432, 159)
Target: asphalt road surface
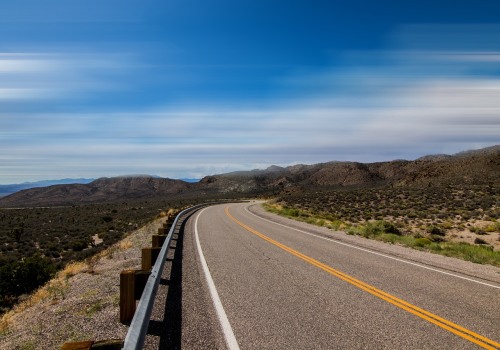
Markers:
point(252, 283)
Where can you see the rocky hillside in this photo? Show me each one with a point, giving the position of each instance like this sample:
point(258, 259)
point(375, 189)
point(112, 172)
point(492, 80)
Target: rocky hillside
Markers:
point(472, 167)
point(100, 190)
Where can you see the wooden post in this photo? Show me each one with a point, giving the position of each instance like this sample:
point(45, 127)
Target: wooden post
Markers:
point(81, 345)
point(141, 278)
point(149, 256)
point(163, 231)
point(158, 240)
point(168, 223)
point(112, 344)
point(127, 295)
point(146, 259)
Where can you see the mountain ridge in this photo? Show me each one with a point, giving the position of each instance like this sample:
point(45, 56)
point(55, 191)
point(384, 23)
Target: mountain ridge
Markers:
point(12, 188)
point(470, 167)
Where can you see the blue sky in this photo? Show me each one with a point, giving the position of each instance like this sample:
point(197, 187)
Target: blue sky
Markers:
point(192, 88)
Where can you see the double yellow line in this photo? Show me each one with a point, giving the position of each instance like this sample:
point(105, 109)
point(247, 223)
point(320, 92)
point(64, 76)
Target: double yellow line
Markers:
point(415, 310)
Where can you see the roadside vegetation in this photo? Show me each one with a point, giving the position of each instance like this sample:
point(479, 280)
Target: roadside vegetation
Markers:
point(81, 301)
point(457, 221)
point(36, 243)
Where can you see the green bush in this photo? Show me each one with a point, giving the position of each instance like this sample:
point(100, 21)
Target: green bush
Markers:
point(24, 276)
point(434, 230)
point(379, 227)
point(422, 242)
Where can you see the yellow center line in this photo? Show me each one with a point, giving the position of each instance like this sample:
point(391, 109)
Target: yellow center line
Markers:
point(415, 310)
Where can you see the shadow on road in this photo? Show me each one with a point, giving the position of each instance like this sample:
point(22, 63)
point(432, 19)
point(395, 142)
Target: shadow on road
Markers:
point(169, 330)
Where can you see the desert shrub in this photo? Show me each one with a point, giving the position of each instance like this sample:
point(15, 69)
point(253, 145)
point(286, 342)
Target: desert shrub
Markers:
point(447, 225)
point(107, 218)
point(436, 231)
point(379, 227)
point(480, 241)
point(490, 228)
point(437, 238)
point(79, 245)
point(336, 224)
point(291, 212)
point(422, 242)
point(390, 228)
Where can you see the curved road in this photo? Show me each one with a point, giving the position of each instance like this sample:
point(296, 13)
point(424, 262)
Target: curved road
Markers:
point(276, 287)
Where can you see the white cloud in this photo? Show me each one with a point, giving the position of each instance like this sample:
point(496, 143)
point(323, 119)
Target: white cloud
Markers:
point(57, 75)
point(16, 94)
point(404, 109)
point(19, 63)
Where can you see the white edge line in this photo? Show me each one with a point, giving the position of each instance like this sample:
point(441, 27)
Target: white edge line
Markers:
point(373, 252)
point(232, 343)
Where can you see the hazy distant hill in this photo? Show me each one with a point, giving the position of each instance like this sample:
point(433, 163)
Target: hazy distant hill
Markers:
point(471, 167)
point(12, 188)
point(189, 180)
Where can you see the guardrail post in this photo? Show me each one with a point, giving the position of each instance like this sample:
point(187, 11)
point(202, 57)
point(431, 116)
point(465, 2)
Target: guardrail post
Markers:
point(81, 345)
point(139, 324)
point(127, 295)
point(158, 240)
point(132, 283)
point(149, 256)
point(140, 280)
point(168, 222)
point(113, 344)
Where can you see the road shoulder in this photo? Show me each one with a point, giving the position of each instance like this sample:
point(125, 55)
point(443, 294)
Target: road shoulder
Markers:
point(486, 273)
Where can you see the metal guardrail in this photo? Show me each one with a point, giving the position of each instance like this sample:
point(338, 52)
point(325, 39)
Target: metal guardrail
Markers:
point(136, 334)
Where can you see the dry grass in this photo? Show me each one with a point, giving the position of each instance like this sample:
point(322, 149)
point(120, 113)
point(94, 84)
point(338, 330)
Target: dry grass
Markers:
point(54, 289)
point(73, 269)
point(125, 244)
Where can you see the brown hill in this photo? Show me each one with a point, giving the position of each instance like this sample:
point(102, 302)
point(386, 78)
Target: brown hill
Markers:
point(100, 190)
point(471, 167)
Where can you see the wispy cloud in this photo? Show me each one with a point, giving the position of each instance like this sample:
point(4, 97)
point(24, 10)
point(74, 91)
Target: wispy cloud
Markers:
point(57, 75)
point(440, 116)
point(399, 104)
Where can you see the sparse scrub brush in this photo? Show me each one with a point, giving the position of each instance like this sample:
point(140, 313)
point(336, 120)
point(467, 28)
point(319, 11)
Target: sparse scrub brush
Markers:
point(435, 230)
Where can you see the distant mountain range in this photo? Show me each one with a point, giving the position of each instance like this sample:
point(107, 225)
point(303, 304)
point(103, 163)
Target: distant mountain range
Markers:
point(185, 179)
point(12, 188)
point(6, 190)
point(480, 167)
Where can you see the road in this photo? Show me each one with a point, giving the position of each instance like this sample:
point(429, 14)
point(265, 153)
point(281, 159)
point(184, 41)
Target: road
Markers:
point(278, 287)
